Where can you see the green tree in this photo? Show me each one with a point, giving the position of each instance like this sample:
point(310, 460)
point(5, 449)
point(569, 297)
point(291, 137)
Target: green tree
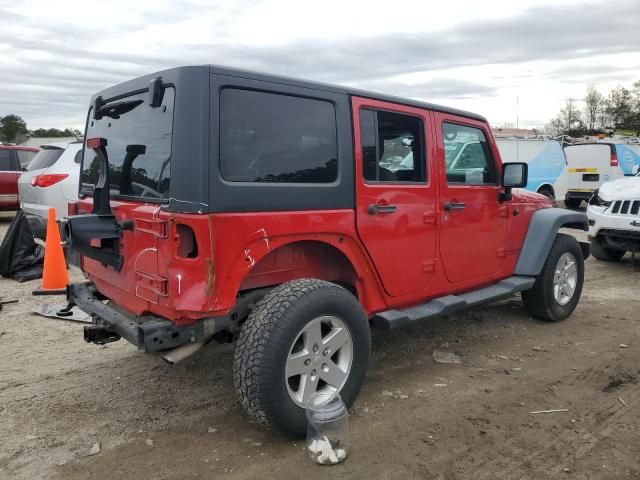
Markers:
point(13, 129)
point(618, 106)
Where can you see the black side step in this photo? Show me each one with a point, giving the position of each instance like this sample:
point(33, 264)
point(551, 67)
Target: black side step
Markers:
point(392, 319)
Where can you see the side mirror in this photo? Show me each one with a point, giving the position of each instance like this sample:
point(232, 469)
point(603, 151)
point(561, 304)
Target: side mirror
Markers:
point(514, 175)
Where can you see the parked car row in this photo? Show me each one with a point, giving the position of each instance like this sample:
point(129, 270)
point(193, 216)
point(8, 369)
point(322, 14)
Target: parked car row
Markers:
point(36, 179)
point(593, 164)
point(571, 174)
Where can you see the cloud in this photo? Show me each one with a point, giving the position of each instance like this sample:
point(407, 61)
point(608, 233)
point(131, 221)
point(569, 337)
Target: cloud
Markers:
point(50, 69)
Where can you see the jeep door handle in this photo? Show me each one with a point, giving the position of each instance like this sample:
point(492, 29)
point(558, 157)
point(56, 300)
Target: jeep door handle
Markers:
point(449, 206)
point(374, 209)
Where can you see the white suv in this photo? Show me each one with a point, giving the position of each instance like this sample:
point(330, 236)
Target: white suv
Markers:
point(50, 180)
point(614, 218)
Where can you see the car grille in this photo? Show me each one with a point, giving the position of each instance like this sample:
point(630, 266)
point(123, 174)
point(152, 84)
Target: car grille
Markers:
point(626, 207)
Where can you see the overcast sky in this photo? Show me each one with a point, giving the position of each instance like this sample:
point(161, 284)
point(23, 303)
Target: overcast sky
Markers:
point(476, 55)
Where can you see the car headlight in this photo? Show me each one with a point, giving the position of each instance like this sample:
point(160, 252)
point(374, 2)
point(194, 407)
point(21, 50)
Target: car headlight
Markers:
point(598, 201)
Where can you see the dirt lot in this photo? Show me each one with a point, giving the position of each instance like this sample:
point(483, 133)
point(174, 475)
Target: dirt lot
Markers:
point(59, 396)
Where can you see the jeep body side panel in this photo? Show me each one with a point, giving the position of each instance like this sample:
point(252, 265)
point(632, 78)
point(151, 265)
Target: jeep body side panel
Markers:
point(259, 249)
point(541, 233)
point(252, 196)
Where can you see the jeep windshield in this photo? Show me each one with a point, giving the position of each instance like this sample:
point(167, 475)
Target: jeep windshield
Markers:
point(128, 124)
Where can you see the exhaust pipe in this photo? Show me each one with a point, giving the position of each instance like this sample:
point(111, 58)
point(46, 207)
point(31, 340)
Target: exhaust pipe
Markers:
point(178, 354)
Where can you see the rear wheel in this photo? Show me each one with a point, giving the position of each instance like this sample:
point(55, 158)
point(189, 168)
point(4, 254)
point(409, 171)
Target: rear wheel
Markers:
point(557, 290)
point(303, 337)
point(547, 192)
point(604, 253)
point(573, 203)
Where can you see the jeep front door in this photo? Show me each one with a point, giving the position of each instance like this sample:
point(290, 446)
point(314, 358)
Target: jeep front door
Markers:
point(473, 226)
point(396, 196)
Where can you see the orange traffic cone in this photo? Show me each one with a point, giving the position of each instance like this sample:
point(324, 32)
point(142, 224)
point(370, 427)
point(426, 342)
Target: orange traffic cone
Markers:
point(54, 277)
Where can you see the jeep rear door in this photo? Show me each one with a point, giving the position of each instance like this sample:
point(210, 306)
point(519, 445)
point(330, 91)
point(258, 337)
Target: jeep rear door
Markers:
point(396, 194)
point(473, 227)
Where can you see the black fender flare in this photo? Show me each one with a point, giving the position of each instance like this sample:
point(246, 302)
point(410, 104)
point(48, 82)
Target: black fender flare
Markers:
point(542, 231)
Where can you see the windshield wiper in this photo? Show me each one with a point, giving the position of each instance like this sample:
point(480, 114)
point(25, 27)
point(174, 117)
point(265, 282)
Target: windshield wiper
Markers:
point(114, 110)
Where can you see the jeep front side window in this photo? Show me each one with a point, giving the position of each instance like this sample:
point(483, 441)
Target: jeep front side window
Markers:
point(468, 158)
point(268, 137)
point(392, 147)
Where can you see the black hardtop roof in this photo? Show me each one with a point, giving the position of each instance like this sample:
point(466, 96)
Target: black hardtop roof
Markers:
point(339, 89)
point(133, 84)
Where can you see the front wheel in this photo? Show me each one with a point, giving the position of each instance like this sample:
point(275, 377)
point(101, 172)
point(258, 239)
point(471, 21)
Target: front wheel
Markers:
point(573, 203)
point(604, 253)
point(304, 337)
point(558, 287)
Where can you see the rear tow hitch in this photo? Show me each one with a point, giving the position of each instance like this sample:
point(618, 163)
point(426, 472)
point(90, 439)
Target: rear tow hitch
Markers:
point(99, 334)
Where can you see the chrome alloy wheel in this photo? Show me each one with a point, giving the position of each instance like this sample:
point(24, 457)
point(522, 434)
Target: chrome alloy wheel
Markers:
point(319, 359)
point(565, 278)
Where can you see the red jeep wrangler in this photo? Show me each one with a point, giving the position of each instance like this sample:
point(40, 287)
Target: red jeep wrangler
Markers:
point(292, 216)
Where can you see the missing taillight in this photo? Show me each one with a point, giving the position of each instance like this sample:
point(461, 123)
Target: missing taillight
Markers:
point(187, 244)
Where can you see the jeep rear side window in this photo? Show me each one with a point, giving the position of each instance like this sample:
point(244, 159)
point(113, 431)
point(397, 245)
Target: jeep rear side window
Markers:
point(267, 137)
point(468, 157)
point(392, 147)
point(126, 124)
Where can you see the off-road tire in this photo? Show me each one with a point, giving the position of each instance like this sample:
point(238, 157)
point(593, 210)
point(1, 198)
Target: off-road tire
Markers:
point(573, 203)
point(265, 340)
point(539, 300)
point(604, 253)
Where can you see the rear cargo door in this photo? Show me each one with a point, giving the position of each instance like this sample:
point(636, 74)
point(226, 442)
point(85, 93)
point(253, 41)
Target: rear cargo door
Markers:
point(48, 156)
point(591, 165)
point(139, 141)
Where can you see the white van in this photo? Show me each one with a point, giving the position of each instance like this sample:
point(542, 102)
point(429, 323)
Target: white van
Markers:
point(546, 160)
point(592, 164)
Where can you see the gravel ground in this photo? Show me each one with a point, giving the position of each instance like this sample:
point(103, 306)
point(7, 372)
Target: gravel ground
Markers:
point(415, 418)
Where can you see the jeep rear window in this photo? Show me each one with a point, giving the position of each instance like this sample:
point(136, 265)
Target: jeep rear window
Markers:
point(266, 137)
point(134, 123)
point(45, 158)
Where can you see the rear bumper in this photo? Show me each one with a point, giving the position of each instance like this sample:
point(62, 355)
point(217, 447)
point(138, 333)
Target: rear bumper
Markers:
point(37, 224)
point(149, 333)
point(578, 195)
